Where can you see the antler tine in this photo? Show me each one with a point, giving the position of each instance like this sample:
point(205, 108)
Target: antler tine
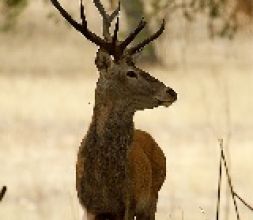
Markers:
point(117, 52)
point(82, 28)
point(131, 36)
point(115, 35)
point(82, 14)
point(109, 43)
point(65, 14)
point(100, 8)
point(106, 19)
point(139, 46)
point(115, 13)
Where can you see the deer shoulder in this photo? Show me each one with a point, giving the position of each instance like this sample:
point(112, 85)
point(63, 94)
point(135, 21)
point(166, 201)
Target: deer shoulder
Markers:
point(148, 160)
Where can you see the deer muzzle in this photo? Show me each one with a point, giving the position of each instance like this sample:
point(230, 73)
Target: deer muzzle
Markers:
point(166, 97)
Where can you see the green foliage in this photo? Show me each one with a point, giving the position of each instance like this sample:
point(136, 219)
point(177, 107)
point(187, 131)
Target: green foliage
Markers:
point(14, 3)
point(221, 14)
point(11, 11)
point(214, 11)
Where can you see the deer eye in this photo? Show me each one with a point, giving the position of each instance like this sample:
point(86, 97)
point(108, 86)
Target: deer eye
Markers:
point(131, 74)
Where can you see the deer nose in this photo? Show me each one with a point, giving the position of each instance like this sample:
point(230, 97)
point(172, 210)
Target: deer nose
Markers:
point(172, 93)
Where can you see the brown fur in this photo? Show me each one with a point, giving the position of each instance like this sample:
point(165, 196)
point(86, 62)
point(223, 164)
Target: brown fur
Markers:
point(119, 170)
point(147, 167)
point(101, 176)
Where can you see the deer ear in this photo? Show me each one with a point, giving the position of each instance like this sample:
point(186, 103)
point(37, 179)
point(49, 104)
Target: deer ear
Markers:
point(103, 60)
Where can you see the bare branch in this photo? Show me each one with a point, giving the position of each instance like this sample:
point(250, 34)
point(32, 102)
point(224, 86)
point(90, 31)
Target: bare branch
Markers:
point(2, 193)
point(138, 47)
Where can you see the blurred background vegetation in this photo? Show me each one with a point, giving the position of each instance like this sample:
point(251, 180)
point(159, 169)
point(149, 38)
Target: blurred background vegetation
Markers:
point(10, 10)
point(47, 81)
point(224, 17)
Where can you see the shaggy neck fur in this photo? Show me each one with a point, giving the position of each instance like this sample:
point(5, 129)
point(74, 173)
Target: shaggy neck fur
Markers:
point(105, 156)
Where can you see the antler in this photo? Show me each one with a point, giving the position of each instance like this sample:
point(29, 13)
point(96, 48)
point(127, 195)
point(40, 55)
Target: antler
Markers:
point(107, 19)
point(145, 42)
point(82, 28)
point(110, 44)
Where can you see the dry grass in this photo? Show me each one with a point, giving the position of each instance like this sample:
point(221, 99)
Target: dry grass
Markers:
point(47, 85)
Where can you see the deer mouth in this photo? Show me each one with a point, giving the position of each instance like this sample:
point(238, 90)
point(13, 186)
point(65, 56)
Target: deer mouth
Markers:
point(165, 103)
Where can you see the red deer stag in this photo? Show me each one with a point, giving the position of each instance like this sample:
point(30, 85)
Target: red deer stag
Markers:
point(119, 169)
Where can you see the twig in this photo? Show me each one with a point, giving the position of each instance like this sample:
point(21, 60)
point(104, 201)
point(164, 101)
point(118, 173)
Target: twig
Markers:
point(2, 193)
point(229, 180)
point(243, 201)
point(219, 187)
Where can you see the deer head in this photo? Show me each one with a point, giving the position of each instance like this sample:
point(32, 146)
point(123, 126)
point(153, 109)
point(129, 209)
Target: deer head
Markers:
point(120, 80)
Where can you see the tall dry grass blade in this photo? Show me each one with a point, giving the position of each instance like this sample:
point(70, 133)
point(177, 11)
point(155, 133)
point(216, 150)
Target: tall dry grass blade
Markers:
point(227, 143)
point(229, 180)
point(219, 187)
point(243, 201)
point(2, 193)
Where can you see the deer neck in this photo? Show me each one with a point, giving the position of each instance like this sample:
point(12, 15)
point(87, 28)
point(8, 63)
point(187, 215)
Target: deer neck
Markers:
point(103, 156)
point(109, 136)
point(112, 125)
point(105, 152)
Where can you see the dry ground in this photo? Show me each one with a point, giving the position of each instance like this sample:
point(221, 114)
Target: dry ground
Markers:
point(47, 81)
